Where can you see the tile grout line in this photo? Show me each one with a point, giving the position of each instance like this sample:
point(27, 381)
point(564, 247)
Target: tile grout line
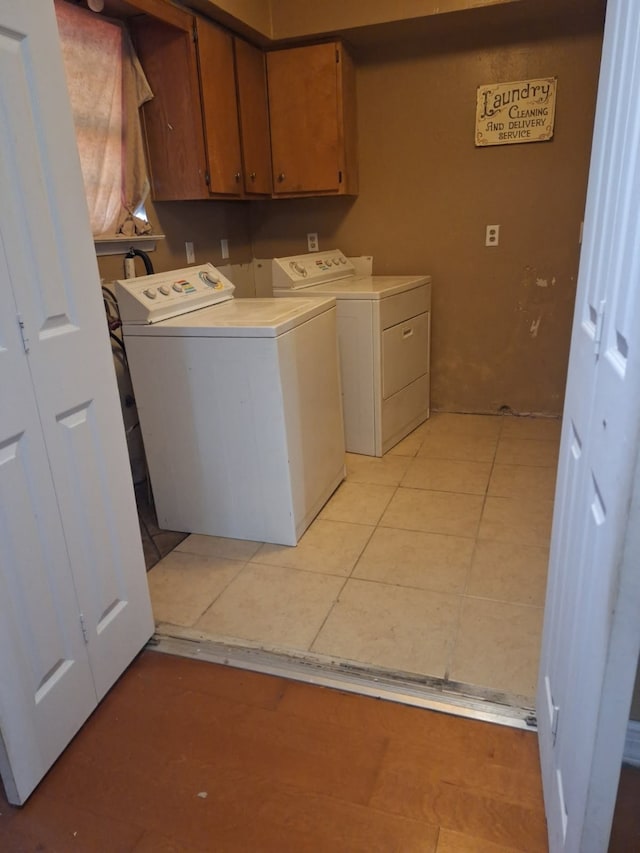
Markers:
point(463, 594)
point(484, 503)
point(350, 575)
point(327, 615)
point(224, 589)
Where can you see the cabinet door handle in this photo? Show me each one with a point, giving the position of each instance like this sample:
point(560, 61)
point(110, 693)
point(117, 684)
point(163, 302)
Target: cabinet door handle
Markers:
point(238, 176)
point(406, 333)
point(252, 175)
point(281, 177)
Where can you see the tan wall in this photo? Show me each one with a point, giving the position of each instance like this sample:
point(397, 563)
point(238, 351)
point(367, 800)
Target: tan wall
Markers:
point(251, 18)
point(203, 223)
point(296, 18)
point(502, 316)
point(284, 19)
point(427, 194)
point(255, 13)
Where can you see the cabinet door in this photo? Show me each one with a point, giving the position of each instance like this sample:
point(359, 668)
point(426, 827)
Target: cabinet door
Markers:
point(253, 111)
point(173, 118)
point(305, 126)
point(219, 109)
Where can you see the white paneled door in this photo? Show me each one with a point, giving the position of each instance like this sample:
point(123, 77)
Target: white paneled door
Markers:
point(74, 602)
point(592, 617)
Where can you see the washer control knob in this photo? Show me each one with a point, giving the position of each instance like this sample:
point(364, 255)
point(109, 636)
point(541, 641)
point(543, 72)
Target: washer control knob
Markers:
point(336, 262)
point(343, 260)
point(177, 287)
point(150, 293)
point(298, 268)
point(209, 279)
point(164, 290)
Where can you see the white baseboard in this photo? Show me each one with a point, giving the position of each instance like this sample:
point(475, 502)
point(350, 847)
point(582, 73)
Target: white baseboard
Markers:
point(632, 744)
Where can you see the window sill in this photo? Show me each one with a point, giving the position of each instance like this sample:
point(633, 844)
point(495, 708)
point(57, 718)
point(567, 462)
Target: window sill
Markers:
point(121, 245)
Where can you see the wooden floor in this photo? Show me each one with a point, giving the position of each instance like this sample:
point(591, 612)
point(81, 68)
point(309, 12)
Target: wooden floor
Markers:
point(190, 756)
point(625, 833)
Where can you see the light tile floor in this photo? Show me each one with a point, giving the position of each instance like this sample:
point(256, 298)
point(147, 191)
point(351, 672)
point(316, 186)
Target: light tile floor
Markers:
point(430, 561)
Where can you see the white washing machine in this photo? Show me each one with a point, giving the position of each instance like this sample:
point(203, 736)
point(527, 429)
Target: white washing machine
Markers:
point(239, 404)
point(384, 327)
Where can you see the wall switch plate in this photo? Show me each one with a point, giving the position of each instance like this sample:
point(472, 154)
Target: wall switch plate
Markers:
point(492, 235)
point(312, 242)
point(191, 255)
point(224, 248)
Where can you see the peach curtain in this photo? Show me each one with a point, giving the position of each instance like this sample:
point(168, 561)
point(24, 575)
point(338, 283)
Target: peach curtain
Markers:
point(106, 87)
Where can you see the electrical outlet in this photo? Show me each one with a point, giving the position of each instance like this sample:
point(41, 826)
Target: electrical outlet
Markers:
point(312, 242)
point(191, 255)
point(492, 235)
point(224, 248)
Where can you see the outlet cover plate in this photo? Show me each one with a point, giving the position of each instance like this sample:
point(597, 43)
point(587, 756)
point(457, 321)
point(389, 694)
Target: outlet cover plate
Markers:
point(492, 235)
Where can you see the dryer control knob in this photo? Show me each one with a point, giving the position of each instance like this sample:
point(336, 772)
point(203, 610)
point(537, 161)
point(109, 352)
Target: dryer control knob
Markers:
point(150, 293)
point(164, 290)
point(177, 287)
point(298, 268)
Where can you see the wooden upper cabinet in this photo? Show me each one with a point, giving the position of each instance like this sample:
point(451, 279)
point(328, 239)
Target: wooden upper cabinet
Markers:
point(225, 123)
point(312, 116)
point(172, 119)
point(191, 124)
point(219, 109)
point(253, 112)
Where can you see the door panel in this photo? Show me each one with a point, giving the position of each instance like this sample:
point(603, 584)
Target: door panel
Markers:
point(74, 557)
point(101, 526)
point(46, 686)
point(591, 579)
point(53, 267)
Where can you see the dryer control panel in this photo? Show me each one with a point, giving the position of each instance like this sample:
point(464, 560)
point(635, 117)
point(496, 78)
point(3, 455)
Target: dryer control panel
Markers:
point(150, 298)
point(297, 271)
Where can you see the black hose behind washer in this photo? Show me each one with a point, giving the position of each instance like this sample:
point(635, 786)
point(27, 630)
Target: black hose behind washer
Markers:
point(138, 253)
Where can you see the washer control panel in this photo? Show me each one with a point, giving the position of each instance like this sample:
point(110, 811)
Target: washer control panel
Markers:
point(150, 298)
point(298, 271)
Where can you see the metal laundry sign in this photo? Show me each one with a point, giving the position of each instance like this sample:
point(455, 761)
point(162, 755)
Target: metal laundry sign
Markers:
point(523, 111)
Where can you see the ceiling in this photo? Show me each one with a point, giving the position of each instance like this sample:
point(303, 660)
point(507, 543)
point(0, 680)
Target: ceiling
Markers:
point(392, 24)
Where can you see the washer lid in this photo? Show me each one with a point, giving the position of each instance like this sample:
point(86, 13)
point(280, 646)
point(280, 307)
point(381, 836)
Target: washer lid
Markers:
point(363, 286)
point(238, 318)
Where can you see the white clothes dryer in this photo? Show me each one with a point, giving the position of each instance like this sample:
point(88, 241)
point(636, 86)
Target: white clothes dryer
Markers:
point(384, 328)
point(239, 404)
